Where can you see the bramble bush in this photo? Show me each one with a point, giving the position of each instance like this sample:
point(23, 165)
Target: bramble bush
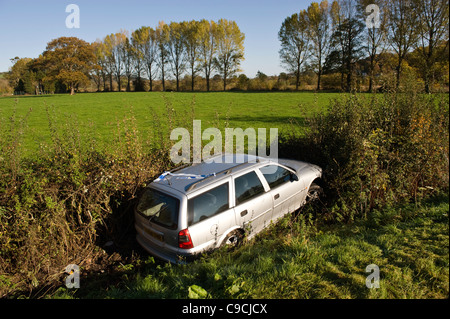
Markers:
point(376, 150)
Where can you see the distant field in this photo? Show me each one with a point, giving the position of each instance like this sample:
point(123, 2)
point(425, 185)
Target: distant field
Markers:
point(97, 114)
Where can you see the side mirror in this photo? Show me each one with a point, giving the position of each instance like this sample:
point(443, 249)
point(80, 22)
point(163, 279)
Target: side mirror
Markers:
point(294, 177)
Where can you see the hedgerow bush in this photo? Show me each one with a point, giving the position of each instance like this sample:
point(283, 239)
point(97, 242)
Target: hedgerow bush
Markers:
point(376, 150)
point(60, 206)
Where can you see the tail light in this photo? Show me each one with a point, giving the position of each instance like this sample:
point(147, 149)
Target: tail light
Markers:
point(184, 239)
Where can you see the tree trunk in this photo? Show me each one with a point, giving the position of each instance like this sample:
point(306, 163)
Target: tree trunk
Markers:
point(192, 78)
point(318, 79)
point(297, 78)
point(162, 79)
point(128, 83)
point(118, 82)
point(104, 83)
point(150, 78)
point(207, 82)
point(319, 74)
point(72, 89)
point(110, 82)
point(397, 83)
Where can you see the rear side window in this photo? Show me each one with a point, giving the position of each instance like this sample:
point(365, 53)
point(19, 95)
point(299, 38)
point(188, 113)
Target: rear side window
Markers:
point(275, 175)
point(160, 208)
point(208, 204)
point(247, 187)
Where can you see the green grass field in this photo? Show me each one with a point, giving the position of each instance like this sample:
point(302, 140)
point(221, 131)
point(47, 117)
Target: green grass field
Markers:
point(97, 115)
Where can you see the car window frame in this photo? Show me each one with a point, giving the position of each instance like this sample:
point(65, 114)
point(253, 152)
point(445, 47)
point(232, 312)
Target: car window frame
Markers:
point(178, 203)
point(201, 192)
point(279, 165)
point(261, 179)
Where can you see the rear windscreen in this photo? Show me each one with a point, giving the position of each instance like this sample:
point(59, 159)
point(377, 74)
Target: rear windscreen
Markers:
point(160, 208)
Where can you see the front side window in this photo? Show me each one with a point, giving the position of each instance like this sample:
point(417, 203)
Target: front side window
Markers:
point(160, 208)
point(275, 175)
point(247, 187)
point(208, 204)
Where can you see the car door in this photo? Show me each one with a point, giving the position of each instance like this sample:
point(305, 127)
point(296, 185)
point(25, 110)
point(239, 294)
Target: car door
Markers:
point(285, 189)
point(253, 206)
point(209, 215)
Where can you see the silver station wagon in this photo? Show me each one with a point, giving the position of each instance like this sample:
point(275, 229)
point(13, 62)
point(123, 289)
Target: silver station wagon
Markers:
point(203, 206)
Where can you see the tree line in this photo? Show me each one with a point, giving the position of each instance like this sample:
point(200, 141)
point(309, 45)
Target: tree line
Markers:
point(337, 44)
point(334, 37)
point(168, 50)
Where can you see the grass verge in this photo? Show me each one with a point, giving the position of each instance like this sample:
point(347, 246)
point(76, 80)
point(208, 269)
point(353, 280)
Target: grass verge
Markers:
point(301, 257)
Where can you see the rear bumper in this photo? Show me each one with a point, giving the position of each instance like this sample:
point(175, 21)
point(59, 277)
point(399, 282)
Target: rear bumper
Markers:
point(175, 256)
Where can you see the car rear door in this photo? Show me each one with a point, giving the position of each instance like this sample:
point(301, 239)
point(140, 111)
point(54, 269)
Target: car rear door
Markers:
point(209, 215)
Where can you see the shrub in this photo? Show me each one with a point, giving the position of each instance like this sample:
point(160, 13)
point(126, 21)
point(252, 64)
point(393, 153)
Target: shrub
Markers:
point(61, 205)
point(377, 150)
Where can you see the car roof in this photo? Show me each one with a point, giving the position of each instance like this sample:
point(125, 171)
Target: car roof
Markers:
point(218, 167)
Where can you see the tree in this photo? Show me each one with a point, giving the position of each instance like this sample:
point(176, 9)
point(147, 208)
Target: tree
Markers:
point(149, 51)
point(69, 60)
point(162, 39)
point(128, 61)
point(294, 44)
point(119, 52)
point(98, 74)
point(17, 73)
point(346, 40)
point(376, 38)
point(108, 43)
point(176, 50)
point(433, 18)
point(192, 44)
point(138, 39)
point(403, 30)
point(207, 47)
point(230, 49)
point(319, 32)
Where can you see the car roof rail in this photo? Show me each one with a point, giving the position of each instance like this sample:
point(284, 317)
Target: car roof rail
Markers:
point(225, 172)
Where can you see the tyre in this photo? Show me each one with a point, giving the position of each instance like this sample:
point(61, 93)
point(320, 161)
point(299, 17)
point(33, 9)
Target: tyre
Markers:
point(233, 239)
point(315, 192)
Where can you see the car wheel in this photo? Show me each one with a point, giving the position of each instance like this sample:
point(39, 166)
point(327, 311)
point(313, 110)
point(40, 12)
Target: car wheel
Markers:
point(233, 239)
point(314, 193)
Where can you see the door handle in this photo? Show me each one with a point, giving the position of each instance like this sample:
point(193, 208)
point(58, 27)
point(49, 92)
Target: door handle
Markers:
point(276, 196)
point(243, 213)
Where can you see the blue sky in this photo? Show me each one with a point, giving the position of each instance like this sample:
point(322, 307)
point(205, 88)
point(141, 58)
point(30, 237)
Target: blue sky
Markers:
point(27, 26)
